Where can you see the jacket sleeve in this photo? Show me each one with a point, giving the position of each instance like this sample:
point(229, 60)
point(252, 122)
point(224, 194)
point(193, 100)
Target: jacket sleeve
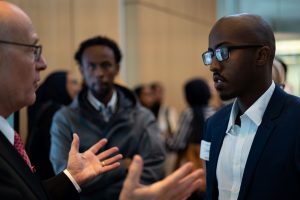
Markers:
point(61, 139)
point(60, 188)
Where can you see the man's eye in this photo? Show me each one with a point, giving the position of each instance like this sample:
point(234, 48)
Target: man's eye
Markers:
point(105, 65)
point(92, 65)
point(35, 51)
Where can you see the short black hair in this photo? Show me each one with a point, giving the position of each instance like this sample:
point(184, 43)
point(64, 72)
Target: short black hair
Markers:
point(98, 40)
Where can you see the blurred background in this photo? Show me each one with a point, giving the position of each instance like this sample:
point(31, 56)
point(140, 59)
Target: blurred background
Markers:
point(161, 40)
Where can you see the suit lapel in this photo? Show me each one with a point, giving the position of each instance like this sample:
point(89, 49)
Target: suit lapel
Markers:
point(8, 152)
point(261, 138)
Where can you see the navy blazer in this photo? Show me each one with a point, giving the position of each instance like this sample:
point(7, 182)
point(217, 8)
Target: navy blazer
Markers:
point(272, 169)
point(18, 182)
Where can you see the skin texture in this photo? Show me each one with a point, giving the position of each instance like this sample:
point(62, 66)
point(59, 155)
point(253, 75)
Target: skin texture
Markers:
point(19, 77)
point(99, 69)
point(247, 72)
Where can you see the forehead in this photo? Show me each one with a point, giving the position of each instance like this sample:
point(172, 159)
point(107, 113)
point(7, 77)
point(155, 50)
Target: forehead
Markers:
point(231, 31)
point(97, 52)
point(19, 26)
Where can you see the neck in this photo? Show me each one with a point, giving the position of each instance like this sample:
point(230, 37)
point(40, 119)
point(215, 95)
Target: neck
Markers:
point(105, 98)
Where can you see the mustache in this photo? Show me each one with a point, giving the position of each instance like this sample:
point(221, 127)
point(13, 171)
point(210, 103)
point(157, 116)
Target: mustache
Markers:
point(217, 76)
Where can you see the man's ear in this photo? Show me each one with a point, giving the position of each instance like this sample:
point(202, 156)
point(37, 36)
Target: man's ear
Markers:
point(263, 55)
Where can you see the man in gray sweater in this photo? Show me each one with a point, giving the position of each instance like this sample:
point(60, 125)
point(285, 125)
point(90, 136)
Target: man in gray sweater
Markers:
point(106, 110)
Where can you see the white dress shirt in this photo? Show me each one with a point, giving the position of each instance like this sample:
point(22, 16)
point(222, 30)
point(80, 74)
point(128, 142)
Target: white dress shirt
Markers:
point(236, 146)
point(7, 130)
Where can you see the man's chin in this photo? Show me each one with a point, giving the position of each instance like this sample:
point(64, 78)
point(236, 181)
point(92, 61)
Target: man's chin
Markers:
point(226, 97)
point(32, 100)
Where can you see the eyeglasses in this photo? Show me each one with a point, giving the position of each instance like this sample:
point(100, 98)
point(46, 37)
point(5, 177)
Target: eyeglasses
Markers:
point(222, 53)
point(37, 48)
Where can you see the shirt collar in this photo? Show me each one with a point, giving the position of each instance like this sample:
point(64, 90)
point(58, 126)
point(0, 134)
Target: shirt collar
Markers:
point(254, 112)
point(7, 130)
point(112, 104)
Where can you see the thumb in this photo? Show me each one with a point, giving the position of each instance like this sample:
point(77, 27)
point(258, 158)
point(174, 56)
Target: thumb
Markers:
point(135, 171)
point(75, 144)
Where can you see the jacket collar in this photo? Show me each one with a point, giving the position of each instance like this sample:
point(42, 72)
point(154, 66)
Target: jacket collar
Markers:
point(17, 164)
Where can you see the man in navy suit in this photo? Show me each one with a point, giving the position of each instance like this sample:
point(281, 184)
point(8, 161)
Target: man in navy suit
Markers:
point(251, 147)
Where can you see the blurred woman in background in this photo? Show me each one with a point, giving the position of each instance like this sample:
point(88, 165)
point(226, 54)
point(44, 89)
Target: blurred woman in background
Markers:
point(58, 89)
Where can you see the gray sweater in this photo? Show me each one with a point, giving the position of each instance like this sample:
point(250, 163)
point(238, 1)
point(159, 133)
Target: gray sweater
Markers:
point(132, 128)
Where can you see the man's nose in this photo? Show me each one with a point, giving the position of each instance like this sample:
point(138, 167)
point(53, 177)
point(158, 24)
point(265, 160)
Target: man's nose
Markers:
point(215, 65)
point(41, 63)
point(99, 70)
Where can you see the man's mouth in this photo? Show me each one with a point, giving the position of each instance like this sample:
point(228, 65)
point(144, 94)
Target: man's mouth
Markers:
point(218, 80)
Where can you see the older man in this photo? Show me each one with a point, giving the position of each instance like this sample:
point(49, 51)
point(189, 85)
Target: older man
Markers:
point(20, 65)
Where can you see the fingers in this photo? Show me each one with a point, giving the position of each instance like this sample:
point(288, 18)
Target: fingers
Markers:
point(189, 184)
point(101, 156)
point(179, 174)
point(95, 148)
point(111, 160)
point(75, 144)
point(192, 182)
point(135, 170)
point(131, 187)
point(110, 166)
point(185, 182)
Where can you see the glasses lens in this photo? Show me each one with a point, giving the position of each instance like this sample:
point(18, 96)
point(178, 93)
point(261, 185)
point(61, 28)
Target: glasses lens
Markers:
point(207, 57)
point(37, 53)
point(222, 53)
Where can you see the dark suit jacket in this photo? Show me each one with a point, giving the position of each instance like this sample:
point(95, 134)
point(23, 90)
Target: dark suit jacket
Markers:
point(18, 182)
point(272, 169)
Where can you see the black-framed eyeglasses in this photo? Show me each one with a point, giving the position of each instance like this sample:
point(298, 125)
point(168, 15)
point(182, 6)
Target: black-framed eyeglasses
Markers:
point(223, 53)
point(37, 48)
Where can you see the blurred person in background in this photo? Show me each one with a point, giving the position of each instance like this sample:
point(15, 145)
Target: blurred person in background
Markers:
point(279, 75)
point(166, 116)
point(58, 89)
point(186, 141)
point(104, 109)
point(144, 95)
point(167, 119)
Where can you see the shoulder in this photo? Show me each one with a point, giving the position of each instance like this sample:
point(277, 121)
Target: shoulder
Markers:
point(143, 113)
point(287, 103)
point(221, 114)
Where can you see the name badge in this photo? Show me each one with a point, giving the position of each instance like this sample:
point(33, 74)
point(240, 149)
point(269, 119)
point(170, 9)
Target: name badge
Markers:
point(204, 151)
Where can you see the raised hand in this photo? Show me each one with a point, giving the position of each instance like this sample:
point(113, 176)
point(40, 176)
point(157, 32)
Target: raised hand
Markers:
point(87, 165)
point(177, 186)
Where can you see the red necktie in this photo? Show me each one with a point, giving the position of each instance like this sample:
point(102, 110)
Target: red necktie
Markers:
point(20, 148)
